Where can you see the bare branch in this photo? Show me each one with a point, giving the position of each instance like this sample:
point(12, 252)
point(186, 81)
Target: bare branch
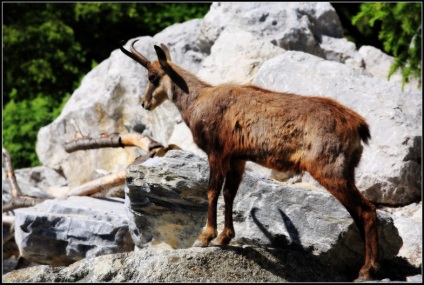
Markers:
point(22, 202)
point(112, 140)
point(85, 142)
point(8, 220)
point(10, 173)
point(163, 150)
point(116, 178)
point(97, 185)
point(146, 143)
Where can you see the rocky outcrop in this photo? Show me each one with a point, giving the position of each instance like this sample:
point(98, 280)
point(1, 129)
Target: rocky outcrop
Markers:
point(378, 64)
point(408, 220)
point(175, 211)
point(233, 264)
point(167, 201)
point(60, 232)
point(229, 264)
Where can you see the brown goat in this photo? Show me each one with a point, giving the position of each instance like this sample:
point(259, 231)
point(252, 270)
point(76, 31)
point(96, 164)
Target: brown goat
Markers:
point(238, 123)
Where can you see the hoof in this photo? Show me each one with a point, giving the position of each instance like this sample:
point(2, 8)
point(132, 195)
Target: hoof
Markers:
point(367, 274)
point(220, 241)
point(216, 244)
point(199, 244)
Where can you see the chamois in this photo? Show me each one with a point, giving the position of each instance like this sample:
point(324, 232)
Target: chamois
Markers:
point(234, 123)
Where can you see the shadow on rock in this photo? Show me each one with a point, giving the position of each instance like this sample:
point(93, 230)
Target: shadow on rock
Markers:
point(291, 265)
point(299, 263)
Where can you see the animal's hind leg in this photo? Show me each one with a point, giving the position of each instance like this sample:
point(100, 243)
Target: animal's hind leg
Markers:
point(369, 235)
point(363, 213)
point(232, 183)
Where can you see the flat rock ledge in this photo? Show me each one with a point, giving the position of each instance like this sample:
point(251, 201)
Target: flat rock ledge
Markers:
point(212, 264)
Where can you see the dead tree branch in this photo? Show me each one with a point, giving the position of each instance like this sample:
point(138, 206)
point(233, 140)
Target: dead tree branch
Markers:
point(97, 185)
point(10, 173)
point(21, 202)
point(8, 220)
point(82, 142)
point(111, 140)
point(18, 199)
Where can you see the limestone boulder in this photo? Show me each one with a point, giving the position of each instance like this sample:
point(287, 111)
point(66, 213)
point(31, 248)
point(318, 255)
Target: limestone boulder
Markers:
point(235, 57)
point(173, 212)
point(271, 18)
point(378, 64)
point(233, 264)
point(60, 232)
point(409, 221)
point(309, 27)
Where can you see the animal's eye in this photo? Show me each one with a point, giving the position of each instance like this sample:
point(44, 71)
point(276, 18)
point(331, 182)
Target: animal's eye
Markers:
point(152, 78)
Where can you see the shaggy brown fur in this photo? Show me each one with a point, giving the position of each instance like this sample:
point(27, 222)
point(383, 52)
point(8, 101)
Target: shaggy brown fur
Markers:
point(238, 123)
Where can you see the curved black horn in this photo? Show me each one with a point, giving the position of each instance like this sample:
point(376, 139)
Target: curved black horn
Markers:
point(166, 50)
point(135, 54)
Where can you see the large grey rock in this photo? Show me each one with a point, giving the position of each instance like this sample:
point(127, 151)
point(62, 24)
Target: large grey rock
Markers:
point(167, 199)
point(390, 168)
point(232, 264)
point(235, 57)
point(409, 222)
point(267, 19)
point(184, 44)
point(172, 213)
point(108, 100)
point(309, 27)
point(378, 64)
point(60, 232)
point(411, 232)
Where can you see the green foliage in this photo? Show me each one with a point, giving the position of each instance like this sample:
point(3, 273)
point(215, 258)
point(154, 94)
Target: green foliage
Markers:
point(18, 139)
point(400, 33)
point(126, 21)
point(49, 47)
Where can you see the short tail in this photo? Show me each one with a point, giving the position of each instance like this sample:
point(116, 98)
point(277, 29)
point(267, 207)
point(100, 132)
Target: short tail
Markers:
point(364, 132)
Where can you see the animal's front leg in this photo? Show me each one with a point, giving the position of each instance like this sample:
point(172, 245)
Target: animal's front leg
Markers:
point(215, 184)
point(231, 186)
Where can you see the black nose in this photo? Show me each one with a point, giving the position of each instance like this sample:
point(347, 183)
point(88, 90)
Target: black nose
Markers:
point(142, 104)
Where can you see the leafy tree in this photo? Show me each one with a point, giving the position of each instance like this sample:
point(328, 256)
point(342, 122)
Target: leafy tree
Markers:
point(400, 33)
point(41, 67)
point(49, 47)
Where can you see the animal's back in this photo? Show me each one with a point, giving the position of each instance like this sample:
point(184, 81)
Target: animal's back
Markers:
point(284, 131)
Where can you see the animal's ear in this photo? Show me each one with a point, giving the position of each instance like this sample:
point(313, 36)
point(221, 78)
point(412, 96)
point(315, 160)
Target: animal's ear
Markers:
point(175, 77)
